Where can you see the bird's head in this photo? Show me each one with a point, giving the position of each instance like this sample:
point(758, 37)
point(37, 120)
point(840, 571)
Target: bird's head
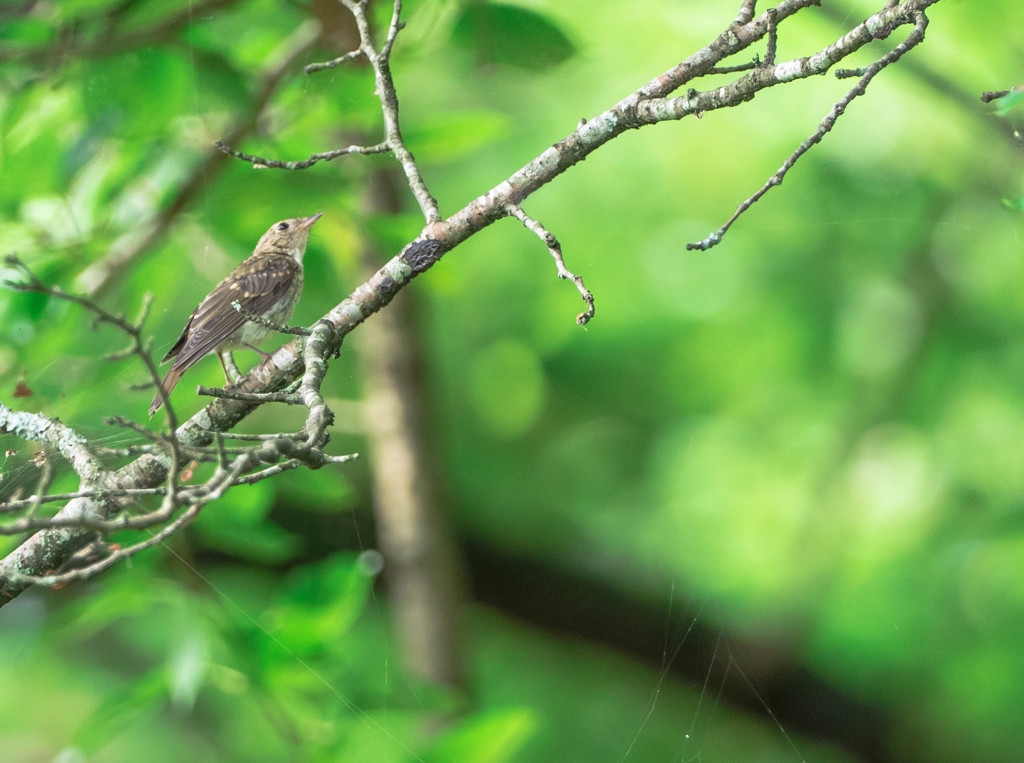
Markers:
point(288, 236)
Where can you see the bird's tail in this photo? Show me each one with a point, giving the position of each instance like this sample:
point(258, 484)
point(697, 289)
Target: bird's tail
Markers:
point(169, 383)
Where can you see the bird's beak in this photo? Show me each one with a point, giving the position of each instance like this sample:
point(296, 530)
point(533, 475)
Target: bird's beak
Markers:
point(307, 222)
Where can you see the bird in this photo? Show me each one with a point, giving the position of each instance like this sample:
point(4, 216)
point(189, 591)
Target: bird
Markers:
point(268, 283)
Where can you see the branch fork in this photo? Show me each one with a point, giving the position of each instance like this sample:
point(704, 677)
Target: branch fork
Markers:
point(296, 371)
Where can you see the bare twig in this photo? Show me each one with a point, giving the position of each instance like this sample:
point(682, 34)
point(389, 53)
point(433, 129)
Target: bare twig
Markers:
point(261, 320)
point(555, 250)
point(126, 423)
point(311, 68)
point(380, 60)
point(137, 348)
point(16, 578)
point(45, 478)
point(17, 505)
point(916, 36)
point(256, 437)
point(261, 163)
point(737, 68)
point(249, 397)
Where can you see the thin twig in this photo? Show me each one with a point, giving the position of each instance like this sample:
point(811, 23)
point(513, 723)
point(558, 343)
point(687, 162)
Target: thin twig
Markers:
point(268, 324)
point(555, 250)
point(126, 423)
point(311, 68)
point(916, 36)
point(108, 562)
point(260, 163)
point(248, 397)
point(381, 63)
point(42, 486)
point(137, 348)
point(738, 68)
point(257, 437)
point(62, 497)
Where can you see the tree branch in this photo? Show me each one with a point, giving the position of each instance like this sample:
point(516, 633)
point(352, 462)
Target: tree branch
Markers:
point(866, 75)
point(97, 511)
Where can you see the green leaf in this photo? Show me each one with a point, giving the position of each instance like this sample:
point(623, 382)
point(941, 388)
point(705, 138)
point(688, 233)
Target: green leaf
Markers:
point(506, 34)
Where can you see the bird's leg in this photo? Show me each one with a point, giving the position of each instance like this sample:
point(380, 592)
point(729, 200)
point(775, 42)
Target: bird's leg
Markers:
point(231, 373)
point(263, 355)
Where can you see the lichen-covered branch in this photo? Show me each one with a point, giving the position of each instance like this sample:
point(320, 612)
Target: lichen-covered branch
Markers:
point(34, 427)
point(101, 505)
point(109, 501)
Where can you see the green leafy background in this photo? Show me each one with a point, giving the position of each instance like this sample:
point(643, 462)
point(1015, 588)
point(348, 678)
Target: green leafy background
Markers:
point(805, 447)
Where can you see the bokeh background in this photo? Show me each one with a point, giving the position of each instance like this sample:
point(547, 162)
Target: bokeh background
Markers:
point(766, 506)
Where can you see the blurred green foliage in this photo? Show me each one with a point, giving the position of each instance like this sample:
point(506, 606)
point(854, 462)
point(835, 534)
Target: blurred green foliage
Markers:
point(814, 430)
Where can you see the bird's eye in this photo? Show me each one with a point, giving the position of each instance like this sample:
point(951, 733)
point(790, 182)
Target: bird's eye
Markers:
point(282, 226)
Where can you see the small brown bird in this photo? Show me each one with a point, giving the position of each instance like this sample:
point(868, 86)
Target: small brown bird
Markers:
point(268, 283)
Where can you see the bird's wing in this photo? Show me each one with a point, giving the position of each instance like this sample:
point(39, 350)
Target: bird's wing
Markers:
point(258, 283)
